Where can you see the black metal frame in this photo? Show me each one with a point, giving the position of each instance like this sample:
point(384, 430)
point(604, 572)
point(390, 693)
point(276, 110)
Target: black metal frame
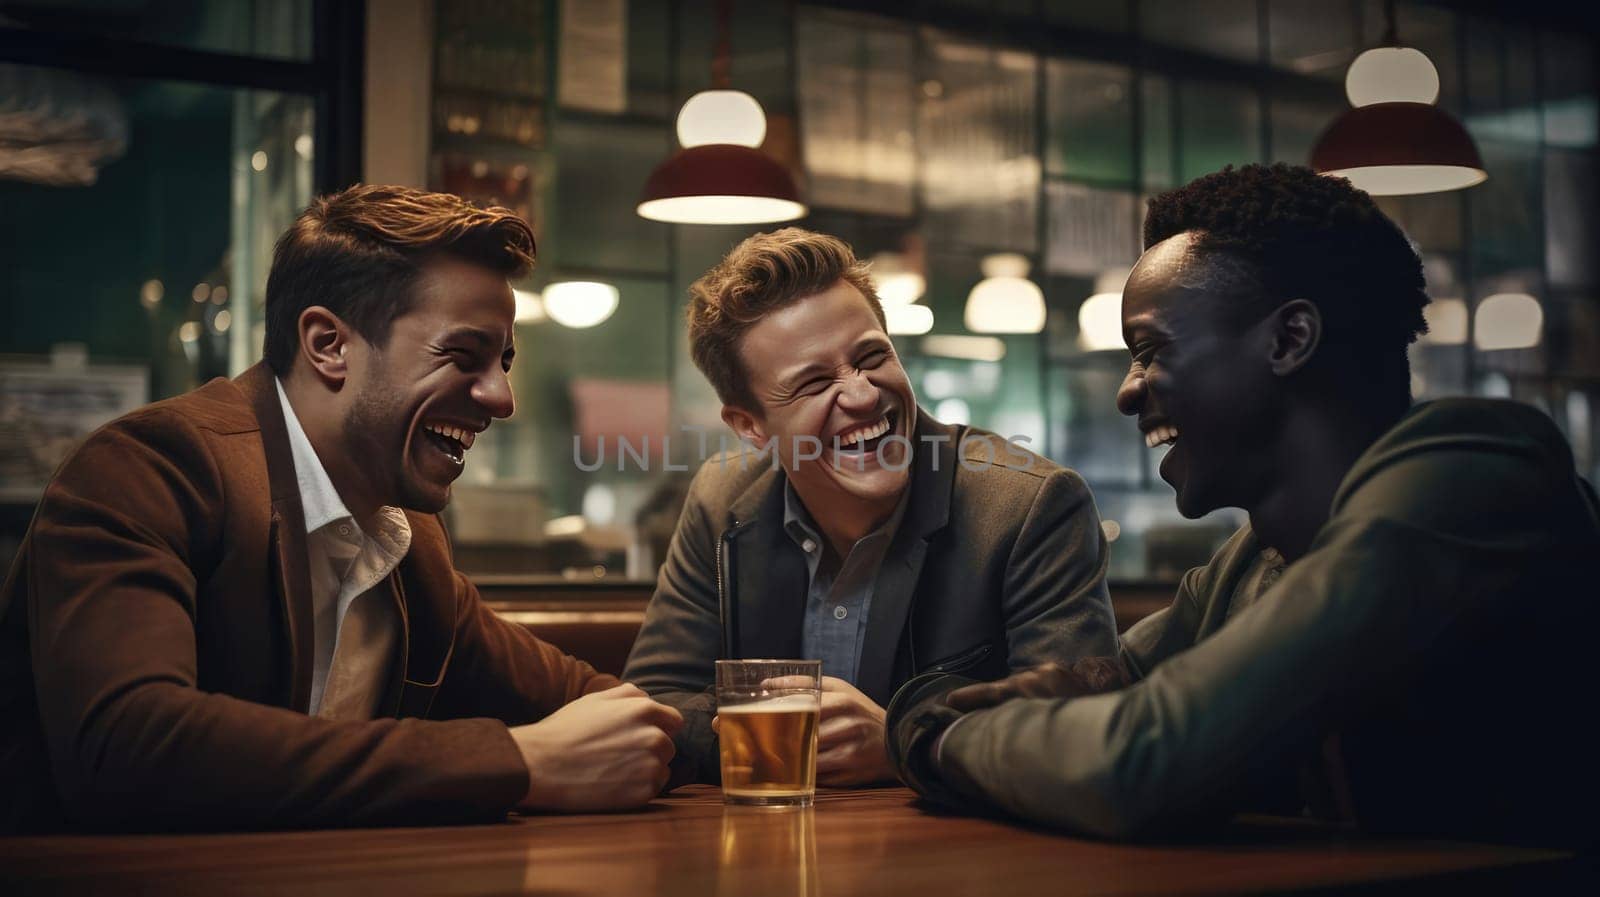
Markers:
point(333, 77)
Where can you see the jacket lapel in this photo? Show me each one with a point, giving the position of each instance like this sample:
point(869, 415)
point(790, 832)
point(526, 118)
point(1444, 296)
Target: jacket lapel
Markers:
point(288, 551)
point(425, 598)
point(932, 479)
point(769, 573)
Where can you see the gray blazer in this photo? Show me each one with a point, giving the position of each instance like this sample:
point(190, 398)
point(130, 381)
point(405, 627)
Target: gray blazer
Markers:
point(998, 564)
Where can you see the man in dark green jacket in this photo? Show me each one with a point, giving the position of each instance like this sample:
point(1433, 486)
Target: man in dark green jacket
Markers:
point(1399, 636)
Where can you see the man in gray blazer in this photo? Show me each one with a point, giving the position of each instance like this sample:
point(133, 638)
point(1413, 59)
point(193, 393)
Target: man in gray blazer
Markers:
point(862, 531)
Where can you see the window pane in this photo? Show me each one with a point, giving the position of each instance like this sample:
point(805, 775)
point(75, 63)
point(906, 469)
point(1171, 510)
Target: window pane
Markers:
point(1090, 121)
point(1219, 124)
point(980, 168)
point(1090, 229)
point(180, 251)
point(1506, 210)
point(1296, 125)
point(1227, 28)
point(277, 28)
point(1568, 90)
point(1570, 191)
point(600, 170)
point(1102, 15)
point(1315, 38)
point(1156, 112)
point(857, 87)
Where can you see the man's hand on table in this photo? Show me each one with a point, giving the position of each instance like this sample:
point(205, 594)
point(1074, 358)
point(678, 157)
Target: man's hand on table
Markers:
point(850, 745)
point(1089, 676)
point(605, 751)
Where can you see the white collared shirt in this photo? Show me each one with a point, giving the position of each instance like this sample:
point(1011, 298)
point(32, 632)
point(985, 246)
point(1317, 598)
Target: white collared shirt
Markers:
point(357, 627)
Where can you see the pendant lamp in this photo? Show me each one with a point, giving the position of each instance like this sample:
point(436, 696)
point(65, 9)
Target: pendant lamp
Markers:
point(1005, 301)
point(1395, 140)
point(720, 177)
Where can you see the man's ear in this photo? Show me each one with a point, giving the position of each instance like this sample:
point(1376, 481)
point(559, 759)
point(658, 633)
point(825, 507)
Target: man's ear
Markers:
point(324, 342)
point(744, 424)
point(1296, 333)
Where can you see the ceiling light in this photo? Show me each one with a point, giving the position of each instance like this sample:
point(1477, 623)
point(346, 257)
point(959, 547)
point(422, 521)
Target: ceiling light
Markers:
point(719, 176)
point(1447, 322)
point(1394, 140)
point(1005, 301)
point(894, 279)
point(1100, 315)
point(969, 348)
point(1508, 321)
point(1100, 323)
point(530, 308)
point(580, 303)
point(908, 319)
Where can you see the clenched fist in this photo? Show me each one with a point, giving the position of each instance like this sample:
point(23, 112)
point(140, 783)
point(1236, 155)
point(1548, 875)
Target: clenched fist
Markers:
point(605, 751)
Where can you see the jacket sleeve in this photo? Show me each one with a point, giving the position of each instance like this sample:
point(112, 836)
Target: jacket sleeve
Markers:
point(673, 658)
point(499, 669)
point(134, 743)
point(1168, 631)
point(1386, 576)
point(1055, 599)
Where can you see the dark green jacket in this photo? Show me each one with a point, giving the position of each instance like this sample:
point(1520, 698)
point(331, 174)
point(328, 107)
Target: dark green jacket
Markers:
point(1425, 665)
point(998, 564)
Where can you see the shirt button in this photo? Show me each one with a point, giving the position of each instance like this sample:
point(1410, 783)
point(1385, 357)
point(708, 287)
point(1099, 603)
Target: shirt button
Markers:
point(344, 529)
point(808, 546)
point(839, 613)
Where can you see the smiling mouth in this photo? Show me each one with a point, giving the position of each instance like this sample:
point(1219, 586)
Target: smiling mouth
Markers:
point(866, 438)
point(451, 441)
point(1165, 434)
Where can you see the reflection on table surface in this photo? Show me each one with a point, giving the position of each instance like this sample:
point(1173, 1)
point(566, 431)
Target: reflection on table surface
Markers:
point(876, 841)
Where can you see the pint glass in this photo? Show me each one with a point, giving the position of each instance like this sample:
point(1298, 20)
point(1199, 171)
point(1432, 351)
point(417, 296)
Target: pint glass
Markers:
point(768, 713)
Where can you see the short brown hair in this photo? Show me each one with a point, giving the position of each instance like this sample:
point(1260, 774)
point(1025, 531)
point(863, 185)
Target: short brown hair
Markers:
point(358, 252)
point(764, 273)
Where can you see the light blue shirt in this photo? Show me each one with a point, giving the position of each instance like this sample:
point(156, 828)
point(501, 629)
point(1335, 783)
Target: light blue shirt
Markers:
point(838, 597)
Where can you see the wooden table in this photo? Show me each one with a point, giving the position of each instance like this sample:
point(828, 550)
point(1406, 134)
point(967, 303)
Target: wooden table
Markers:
point(875, 842)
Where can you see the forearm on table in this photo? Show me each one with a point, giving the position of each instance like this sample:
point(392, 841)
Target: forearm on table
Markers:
point(170, 756)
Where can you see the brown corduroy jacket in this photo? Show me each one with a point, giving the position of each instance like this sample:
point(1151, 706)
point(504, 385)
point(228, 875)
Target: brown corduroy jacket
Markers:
point(156, 648)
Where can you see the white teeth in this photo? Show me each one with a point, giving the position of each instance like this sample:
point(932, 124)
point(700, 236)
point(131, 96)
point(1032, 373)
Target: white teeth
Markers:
point(459, 434)
point(865, 433)
point(1163, 435)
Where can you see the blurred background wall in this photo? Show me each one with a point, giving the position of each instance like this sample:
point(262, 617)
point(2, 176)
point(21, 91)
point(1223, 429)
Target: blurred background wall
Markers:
point(150, 152)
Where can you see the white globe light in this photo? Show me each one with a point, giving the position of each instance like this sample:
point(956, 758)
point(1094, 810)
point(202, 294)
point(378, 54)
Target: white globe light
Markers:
point(1508, 321)
point(1005, 305)
point(1391, 75)
point(580, 303)
point(1100, 322)
point(721, 116)
point(908, 319)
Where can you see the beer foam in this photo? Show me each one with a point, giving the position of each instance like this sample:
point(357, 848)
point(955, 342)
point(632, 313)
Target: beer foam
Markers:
point(779, 704)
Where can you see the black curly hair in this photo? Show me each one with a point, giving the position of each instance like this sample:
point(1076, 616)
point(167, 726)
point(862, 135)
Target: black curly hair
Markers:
point(1309, 236)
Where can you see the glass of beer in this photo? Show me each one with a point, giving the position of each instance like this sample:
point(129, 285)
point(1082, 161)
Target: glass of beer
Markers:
point(767, 727)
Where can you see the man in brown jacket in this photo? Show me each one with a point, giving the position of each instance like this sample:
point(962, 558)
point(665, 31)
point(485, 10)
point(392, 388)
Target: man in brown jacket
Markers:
point(237, 608)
